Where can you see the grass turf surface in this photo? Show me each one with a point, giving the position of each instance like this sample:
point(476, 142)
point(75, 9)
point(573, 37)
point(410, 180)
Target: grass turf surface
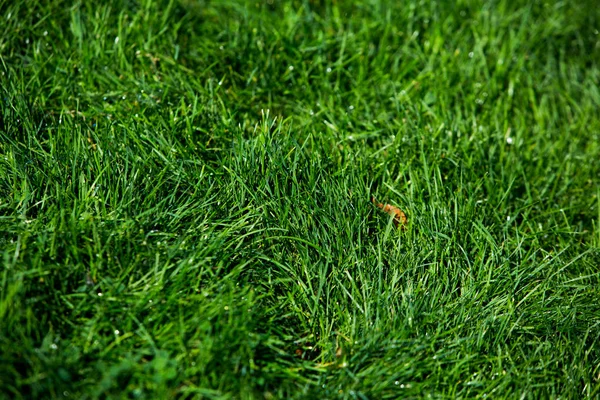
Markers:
point(185, 186)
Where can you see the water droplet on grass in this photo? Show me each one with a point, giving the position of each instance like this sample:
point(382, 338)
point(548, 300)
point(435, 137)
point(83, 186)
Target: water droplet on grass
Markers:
point(117, 332)
point(53, 346)
point(471, 54)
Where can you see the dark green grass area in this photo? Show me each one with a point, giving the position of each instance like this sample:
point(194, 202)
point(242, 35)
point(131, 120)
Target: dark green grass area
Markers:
point(185, 199)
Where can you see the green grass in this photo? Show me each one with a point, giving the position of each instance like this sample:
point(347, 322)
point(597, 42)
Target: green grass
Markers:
point(185, 199)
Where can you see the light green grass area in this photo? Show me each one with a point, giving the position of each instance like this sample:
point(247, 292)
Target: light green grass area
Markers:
point(185, 199)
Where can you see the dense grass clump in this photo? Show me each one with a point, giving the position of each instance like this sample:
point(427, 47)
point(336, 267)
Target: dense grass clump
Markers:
point(185, 199)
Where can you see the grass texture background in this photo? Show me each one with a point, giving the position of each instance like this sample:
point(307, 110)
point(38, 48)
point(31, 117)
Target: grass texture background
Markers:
point(185, 199)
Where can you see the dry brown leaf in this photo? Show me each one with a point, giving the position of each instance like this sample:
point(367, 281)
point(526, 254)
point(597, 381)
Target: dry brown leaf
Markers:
point(398, 214)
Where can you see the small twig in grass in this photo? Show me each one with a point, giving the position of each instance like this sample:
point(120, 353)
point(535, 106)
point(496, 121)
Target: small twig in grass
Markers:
point(399, 215)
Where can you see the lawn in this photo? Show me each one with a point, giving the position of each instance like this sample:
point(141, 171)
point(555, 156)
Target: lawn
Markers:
point(185, 199)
